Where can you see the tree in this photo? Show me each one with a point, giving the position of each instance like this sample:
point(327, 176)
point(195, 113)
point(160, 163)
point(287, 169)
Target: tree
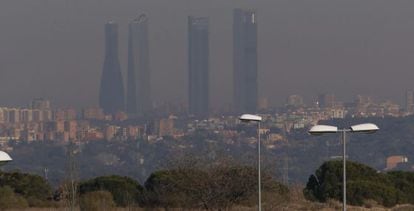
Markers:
point(32, 187)
point(363, 183)
point(125, 190)
point(210, 188)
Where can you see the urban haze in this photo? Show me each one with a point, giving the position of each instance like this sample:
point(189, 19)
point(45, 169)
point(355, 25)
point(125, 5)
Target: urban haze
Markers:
point(55, 48)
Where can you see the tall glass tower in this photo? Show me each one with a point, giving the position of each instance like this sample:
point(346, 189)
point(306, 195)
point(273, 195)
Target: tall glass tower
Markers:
point(198, 65)
point(111, 93)
point(245, 60)
point(139, 86)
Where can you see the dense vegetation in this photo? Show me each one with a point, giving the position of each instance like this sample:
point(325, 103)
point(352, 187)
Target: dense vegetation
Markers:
point(22, 190)
point(125, 191)
point(210, 187)
point(363, 184)
point(215, 187)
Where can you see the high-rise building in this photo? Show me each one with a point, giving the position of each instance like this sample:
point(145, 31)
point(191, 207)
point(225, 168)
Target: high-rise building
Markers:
point(294, 100)
point(326, 100)
point(245, 85)
point(40, 103)
point(111, 94)
point(409, 102)
point(198, 65)
point(139, 87)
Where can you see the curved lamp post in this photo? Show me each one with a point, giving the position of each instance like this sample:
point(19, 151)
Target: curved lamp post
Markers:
point(361, 128)
point(258, 119)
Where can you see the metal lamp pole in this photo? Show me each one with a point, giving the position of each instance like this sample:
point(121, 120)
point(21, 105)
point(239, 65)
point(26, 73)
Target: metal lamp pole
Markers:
point(258, 119)
point(258, 169)
point(344, 168)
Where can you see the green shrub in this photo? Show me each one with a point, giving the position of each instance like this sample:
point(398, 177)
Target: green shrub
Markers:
point(124, 190)
point(363, 183)
point(9, 199)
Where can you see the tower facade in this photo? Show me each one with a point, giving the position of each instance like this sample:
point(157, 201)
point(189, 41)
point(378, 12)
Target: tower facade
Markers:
point(198, 65)
point(409, 102)
point(111, 93)
point(139, 86)
point(245, 85)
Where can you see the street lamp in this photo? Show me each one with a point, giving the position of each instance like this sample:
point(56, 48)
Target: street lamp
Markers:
point(4, 158)
point(361, 128)
point(258, 119)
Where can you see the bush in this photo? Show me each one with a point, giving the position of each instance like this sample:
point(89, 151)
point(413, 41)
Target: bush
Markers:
point(211, 188)
point(363, 184)
point(33, 188)
point(124, 190)
point(358, 192)
point(97, 201)
point(9, 199)
point(404, 182)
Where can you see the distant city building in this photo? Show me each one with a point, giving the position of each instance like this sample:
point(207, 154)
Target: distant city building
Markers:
point(326, 100)
point(111, 93)
point(390, 109)
point(409, 102)
point(393, 161)
point(64, 114)
point(166, 127)
point(26, 115)
point(139, 87)
point(93, 113)
point(71, 127)
point(295, 100)
point(336, 113)
point(245, 85)
point(40, 103)
point(263, 103)
point(198, 65)
point(360, 99)
point(362, 104)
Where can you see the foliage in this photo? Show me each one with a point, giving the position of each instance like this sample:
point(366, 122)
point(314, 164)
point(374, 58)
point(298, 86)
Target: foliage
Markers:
point(404, 182)
point(9, 199)
point(363, 184)
point(32, 187)
point(214, 187)
point(359, 191)
point(125, 191)
point(97, 201)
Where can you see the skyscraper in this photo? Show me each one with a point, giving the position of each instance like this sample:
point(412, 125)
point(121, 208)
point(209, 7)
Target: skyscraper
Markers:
point(245, 60)
point(327, 100)
point(111, 94)
point(198, 65)
point(409, 102)
point(139, 87)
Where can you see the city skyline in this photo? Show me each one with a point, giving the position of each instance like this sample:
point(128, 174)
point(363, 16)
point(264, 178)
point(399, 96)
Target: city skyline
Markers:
point(300, 50)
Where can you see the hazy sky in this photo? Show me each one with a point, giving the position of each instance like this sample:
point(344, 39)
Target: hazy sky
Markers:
point(54, 48)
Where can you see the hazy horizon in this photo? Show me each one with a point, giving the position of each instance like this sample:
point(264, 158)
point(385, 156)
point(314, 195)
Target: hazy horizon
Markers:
point(55, 48)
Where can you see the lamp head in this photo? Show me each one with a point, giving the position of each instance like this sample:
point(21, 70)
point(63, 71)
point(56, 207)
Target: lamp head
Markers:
point(322, 129)
point(250, 118)
point(364, 128)
point(4, 158)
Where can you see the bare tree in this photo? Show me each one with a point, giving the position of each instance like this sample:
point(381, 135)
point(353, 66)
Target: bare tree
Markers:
point(70, 186)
